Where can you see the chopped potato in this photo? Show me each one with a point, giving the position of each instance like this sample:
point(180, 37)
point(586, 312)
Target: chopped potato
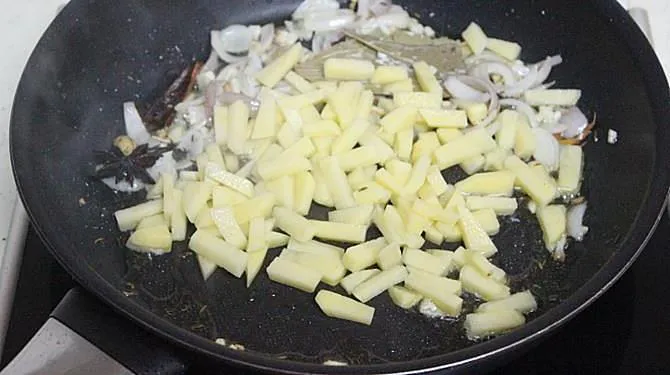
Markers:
point(331, 269)
point(501, 205)
point(292, 274)
point(293, 224)
point(464, 147)
point(399, 119)
point(361, 215)
point(379, 283)
point(558, 97)
point(151, 239)
point(553, 220)
point(229, 228)
point(354, 279)
point(363, 255)
point(341, 307)
point(128, 218)
point(425, 76)
point(403, 297)
point(475, 38)
point(220, 252)
point(385, 74)
point(523, 302)
point(440, 290)
point(508, 50)
point(481, 285)
point(277, 69)
point(491, 183)
point(483, 324)
point(570, 168)
point(351, 233)
point(348, 69)
point(389, 256)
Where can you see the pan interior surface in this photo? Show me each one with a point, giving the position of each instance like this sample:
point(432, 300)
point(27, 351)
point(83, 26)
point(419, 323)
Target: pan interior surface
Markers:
point(98, 54)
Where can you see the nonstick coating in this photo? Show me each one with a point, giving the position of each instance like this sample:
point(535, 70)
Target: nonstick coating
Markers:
point(98, 54)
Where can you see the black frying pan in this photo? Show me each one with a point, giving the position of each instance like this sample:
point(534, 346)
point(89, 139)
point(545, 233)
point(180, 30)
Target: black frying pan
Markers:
point(100, 53)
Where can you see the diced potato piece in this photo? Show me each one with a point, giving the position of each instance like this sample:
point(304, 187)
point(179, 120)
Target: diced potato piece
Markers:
point(570, 168)
point(451, 232)
point(522, 302)
point(558, 97)
point(277, 69)
point(476, 112)
point(337, 183)
point(488, 220)
point(474, 236)
point(351, 233)
point(388, 231)
point(525, 142)
point(441, 118)
point(335, 69)
point(220, 252)
point(424, 261)
point(201, 162)
point(328, 113)
point(403, 144)
point(276, 239)
point(350, 136)
point(552, 220)
point(365, 103)
point(405, 85)
point(168, 188)
point(425, 76)
point(155, 191)
point(385, 74)
point(293, 224)
point(483, 265)
point(321, 191)
point(254, 263)
point(238, 121)
point(260, 206)
point(215, 155)
point(304, 192)
point(399, 119)
point(363, 255)
point(321, 128)
point(403, 297)
point(220, 124)
point(434, 236)
point(331, 269)
point(341, 307)
point(207, 267)
point(440, 290)
point(303, 147)
point(224, 219)
point(351, 281)
point(360, 176)
point(372, 193)
point(309, 114)
point(475, 37)
point(491, 183)
point(379, 283)
point(217, 173)
point(425, 145)
point(204, 218)
point(400, 170)
point(284, 190)
point(361, 215)
point(541, 189)
point(446, 135)
point(464, 147)
point(495, 160)
point(418, 176)
point(283, 166)
point(344, 100)
point(189, 176)
point(418, 100)
point(151, 239)
point(359, 157)
point(473, 164)
point(266, 119)
point(382, 149)
point(128, 218)
point(257, 231)
point(436, 181)
point(316, 247)
point(508, 50)
point(195, 197)
point(289, 134)
point(484, 287)
point(292, 274)
point(152, 221)
point(445, 256)
point(298, 82)
point(483, 324)
point(509, 122)
point(501, 205)
point(389, 256)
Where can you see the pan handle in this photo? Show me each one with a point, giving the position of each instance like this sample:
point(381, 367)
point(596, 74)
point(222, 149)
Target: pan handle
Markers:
point(83, 336)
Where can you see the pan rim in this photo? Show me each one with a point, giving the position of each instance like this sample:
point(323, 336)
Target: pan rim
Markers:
point(648, 217)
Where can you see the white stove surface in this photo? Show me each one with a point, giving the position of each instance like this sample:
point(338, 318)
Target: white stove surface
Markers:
point(23, 22)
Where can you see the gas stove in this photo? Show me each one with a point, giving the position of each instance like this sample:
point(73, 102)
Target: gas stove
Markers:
point(626, 331)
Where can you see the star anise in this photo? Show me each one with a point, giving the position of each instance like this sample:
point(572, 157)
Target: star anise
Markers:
point(113, 163)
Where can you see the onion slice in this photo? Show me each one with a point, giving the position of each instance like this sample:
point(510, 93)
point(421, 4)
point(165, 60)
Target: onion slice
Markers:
point(220, 47)
point(575, 218)
point(574, 121)
point(524, 108)
point(547, 151)
point(135, 128)
point(459, 90)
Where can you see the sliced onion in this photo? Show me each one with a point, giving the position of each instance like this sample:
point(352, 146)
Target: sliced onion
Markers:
point(524, 108)
point(230, 71)
point(312, 6)
point(545, 69)
point(575, 226)
point(135, 128)
point(522, 85)
point(574, 121)
point(485, 56)
point(547, 149)
point(485, 69)
point(266, 37)
point(236, 39)
point(228, 98)
point(328, 21)
point(212, 63)
point(380, 7)
point(322, 41)
point(493, 128)
point(459, 90)
point(494, 103)
point(220, 47)
point(123, 185)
